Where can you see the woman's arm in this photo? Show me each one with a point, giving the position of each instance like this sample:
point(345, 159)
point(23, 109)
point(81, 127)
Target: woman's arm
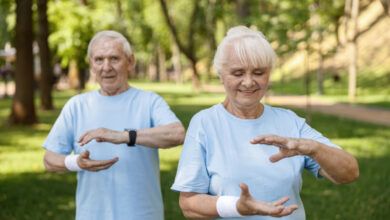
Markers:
point(337, 165)
point(203, 206)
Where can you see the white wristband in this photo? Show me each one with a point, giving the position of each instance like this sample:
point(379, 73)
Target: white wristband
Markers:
point(71, 162)
point(227, 207)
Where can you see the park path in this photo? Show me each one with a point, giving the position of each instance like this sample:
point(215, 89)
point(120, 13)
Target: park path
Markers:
point(355, 112)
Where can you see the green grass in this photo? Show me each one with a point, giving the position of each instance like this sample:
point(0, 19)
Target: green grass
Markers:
point(373, 87)
point(28, 192)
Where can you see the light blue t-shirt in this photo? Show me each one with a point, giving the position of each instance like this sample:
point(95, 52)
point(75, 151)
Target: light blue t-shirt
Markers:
point(217, 156)
point(130, 189)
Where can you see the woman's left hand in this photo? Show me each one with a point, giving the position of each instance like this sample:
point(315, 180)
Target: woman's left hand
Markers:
point(288, 147)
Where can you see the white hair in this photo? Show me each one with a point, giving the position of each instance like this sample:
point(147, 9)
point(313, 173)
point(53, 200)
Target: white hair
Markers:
point(105, 35)
point(251, 47)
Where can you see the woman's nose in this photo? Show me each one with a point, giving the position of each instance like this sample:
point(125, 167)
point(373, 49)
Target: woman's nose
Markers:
point(248, 80)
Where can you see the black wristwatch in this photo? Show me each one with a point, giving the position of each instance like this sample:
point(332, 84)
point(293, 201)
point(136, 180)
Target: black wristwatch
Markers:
point(132, 137)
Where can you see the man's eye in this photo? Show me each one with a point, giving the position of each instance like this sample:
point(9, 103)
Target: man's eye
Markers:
point(98, 59)
point(258, 73)
point(237, 73)
point(114, 58)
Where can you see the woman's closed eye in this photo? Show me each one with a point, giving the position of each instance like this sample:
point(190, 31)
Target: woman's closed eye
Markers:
point(238, 73)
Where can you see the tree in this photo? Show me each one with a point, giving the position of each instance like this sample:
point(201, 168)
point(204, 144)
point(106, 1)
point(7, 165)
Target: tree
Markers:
point(386, 6)
point(23, 108)
point(46, 79)
point(188, 49)
point(352, 11)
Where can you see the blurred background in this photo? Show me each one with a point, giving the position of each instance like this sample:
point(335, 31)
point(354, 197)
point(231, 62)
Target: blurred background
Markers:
point(333, 69)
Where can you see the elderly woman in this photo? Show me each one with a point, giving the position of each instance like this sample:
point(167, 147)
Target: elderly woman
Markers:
point(242, 144)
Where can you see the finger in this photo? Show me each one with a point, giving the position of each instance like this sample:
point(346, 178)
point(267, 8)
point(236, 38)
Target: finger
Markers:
point(96, 163)
point(259, 139)
point(280, 201)
point(87, 138)
point(84, 155)
point(276, 157)
point(286, 211)
point(271, 210)
point(244, 190)
point(98, 168)
point(274, 140)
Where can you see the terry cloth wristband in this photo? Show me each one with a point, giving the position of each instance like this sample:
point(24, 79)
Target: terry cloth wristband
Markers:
point(71, 162)
point(227, 208)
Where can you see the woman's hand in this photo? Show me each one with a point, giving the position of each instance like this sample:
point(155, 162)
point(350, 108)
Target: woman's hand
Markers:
point(247, 205)
point(104, 135)
point(288, 147)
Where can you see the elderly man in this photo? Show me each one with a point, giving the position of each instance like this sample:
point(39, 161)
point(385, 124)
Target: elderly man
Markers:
point(115, 130)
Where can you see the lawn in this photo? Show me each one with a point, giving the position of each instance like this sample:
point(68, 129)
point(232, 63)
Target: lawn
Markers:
point(28, 192)
point(372, 87)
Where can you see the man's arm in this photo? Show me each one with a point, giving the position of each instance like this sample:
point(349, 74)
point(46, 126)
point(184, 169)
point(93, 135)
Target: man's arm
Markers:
point(204, 206)
point(337, 165)
point(55, 163)
point(164, 136)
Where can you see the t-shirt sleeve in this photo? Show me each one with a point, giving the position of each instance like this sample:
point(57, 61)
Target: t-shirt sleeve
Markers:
point(192, 175)
point(161, 113)
point(60, 138)
point(309, 133)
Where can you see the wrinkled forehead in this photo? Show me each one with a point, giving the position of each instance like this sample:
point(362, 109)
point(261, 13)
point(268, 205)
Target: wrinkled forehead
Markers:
point(106, 46)
point(247, 51)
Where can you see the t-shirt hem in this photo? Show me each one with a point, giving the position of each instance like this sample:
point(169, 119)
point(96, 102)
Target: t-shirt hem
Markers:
point(179, 188)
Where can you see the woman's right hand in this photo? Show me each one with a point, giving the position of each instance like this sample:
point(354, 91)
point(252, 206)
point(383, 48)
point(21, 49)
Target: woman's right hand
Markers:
point(247, 205)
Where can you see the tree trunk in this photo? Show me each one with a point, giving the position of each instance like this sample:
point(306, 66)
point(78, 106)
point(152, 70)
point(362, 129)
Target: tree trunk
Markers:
point(162, 69)
point(243, 12)
point(352, 45)
point(23, 108)
point(195, 75)
point(46, 80)
point(210, 27)
point(152, 68)
point(82, 78)
point(73, 75)
point(176, 63)
point(386, 6)
point(188, 51)
point(307, 86)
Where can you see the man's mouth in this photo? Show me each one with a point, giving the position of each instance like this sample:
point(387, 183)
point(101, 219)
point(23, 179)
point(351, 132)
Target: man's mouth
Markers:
point(109, 77)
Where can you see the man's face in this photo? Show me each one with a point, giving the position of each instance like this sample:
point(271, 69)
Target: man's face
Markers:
point(111, 66)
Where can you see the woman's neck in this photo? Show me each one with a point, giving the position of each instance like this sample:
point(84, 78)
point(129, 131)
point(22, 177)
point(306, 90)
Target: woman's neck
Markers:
point(244, 112)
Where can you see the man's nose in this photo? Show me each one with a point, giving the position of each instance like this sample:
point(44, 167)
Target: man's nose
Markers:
point(107, 65)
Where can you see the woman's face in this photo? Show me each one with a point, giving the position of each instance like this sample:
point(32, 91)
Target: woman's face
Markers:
point(245, 85)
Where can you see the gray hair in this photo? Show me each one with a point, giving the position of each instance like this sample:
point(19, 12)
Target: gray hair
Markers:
point(105, 35)
point(250, 46)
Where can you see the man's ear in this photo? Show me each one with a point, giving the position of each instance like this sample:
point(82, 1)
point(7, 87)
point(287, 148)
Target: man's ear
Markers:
point(220, 77)
point(131, 60)
point(90, 66)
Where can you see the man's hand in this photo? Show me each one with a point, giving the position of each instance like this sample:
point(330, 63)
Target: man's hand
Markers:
point(288, 147)
point(86, 163)
point(247, 205)
point(104, 135)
